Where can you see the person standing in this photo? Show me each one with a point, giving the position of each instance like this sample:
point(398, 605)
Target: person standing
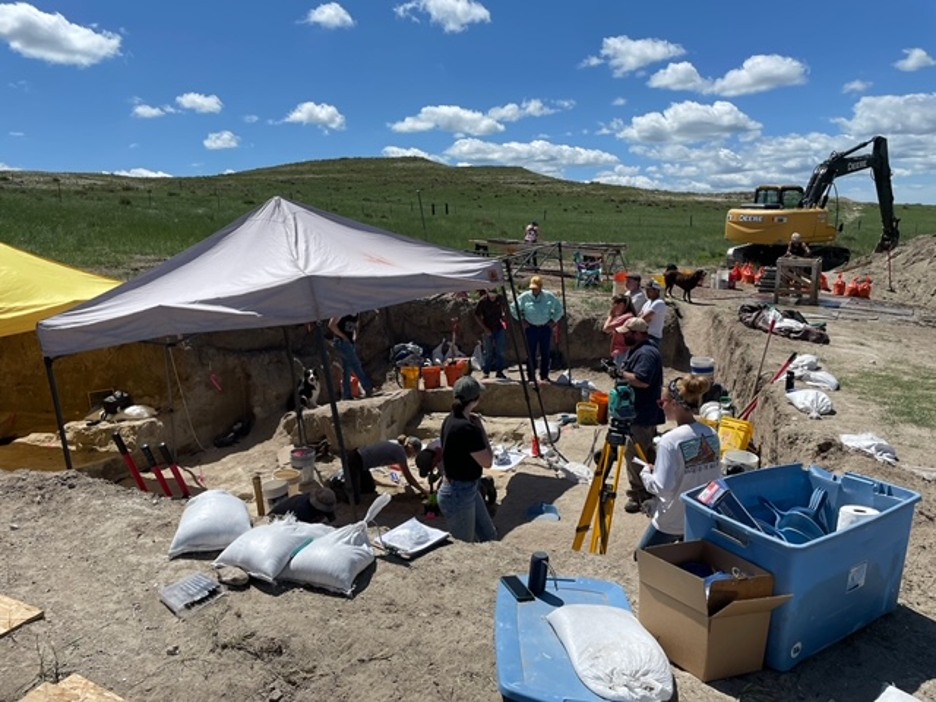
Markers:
point(622, 309)
point(643, 369)
point(531, 237)
point(654, 311)
point(632, 284)
point(466, 452)
point(539, 311)
point(344, 330)
point(687, 457)
point(490, 315)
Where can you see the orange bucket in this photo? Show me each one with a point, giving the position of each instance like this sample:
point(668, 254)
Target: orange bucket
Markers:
point(432, 377)
point(601, 399)
point(455, 370)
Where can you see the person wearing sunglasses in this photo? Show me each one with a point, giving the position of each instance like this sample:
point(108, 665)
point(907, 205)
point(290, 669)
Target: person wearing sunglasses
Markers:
point(686, 457)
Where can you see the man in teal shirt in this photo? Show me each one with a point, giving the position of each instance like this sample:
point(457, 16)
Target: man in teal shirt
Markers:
point(539, 311)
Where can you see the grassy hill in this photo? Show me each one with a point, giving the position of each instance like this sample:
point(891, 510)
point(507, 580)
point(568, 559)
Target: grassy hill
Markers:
point(119, 225)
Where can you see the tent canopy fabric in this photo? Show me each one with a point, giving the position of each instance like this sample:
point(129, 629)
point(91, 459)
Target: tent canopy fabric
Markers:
point(33, 288)
point(282, 264)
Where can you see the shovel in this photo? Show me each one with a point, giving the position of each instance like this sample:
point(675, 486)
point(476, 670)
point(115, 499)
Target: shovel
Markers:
point(794, 520)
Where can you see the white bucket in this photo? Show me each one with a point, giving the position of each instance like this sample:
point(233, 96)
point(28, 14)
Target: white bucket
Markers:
point(302, 458)
point(740, 462)
point(274, 492)
point(720, 279)
point(291, 476)
point(702, 365)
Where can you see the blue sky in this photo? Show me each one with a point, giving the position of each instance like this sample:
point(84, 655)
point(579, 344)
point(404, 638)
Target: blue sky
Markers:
point(687, 96)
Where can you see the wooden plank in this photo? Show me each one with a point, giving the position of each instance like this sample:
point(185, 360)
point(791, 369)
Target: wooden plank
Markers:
point(74, 688)
point(14, 614)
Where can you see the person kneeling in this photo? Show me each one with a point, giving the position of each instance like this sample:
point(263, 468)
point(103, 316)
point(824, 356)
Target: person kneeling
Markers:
point(687, 457)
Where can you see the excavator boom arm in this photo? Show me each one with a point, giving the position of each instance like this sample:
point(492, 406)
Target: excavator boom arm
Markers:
point(839, 164)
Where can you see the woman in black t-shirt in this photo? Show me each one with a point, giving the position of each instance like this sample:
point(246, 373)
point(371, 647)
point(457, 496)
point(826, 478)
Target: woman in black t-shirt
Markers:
point(466, 452)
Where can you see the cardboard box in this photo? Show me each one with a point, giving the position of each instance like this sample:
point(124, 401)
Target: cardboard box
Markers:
point(715, 635)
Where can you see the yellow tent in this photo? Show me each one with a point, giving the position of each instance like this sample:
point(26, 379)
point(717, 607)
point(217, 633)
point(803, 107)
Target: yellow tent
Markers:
point(32, 289)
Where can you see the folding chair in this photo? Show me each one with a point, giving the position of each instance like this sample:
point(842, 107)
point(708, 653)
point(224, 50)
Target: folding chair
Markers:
point(588, 270)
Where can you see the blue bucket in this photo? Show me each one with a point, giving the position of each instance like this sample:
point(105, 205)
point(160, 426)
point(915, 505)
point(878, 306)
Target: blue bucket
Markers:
point(544, 512)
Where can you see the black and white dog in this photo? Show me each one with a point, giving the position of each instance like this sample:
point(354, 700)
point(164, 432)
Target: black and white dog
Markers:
point(309, 389)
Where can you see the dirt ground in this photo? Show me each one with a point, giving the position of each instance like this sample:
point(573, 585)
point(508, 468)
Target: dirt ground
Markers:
point(93, 554)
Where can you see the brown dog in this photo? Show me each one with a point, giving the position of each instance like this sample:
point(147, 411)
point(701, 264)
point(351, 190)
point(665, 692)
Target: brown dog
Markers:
point(673, 277)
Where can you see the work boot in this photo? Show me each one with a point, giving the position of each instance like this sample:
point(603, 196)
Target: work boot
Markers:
point(500, 375)
point(485, 375)
point(632, 506)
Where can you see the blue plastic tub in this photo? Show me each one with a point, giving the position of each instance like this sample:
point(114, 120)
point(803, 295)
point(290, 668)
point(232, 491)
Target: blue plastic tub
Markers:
point(532, 665)
point(840, 582)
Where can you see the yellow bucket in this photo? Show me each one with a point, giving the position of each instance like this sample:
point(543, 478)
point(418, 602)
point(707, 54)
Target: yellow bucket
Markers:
point(586, 413)
point(410, 377)
point(734, 434)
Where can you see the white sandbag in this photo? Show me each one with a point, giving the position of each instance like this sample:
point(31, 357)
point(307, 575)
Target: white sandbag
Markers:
point(477, 357)
point(804, 362)
point(576, 472)
point(820, 379)
point(894, 694)
point(815, 403)
point(612, 654)
point(265, 550)
point(872, 444)
point(136, 412)
point(334, 561)
point(211, 522)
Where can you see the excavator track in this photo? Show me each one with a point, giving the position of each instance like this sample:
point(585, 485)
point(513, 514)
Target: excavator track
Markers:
point(762, 255)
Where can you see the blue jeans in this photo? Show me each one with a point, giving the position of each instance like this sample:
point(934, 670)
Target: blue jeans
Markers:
point(350, 363)
point(539, 338)
point(495, 351)
point(466, 516)
point(655, 537)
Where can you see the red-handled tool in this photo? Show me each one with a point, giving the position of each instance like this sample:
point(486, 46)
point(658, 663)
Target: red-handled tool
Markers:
point(779, 374)
point(174, 467)
point(128, 459)
point(151, 459)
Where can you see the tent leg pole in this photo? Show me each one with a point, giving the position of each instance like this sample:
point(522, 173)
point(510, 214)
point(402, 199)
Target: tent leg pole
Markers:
point(565, 314)
point(300, 423)
point(172, 431)
point(59, 417)
point(336, 420)
point(520, 360)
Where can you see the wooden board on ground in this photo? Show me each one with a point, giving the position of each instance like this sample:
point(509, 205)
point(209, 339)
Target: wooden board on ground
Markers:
point(13, 614)
point(74, 688)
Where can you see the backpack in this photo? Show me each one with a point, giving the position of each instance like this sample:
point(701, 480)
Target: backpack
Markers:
point(115, 402)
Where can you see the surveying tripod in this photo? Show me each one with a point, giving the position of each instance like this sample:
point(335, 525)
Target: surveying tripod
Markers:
point(598, 511)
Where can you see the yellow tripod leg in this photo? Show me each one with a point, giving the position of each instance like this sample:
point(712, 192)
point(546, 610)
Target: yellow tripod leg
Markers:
point(592, 499)
point(602, 534)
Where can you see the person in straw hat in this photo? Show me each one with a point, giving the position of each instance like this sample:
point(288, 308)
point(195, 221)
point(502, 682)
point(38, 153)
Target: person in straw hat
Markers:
point(313, 507)
point(539, 310)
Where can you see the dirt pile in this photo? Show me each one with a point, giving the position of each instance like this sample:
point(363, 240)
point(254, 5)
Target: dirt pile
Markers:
point(913, 272)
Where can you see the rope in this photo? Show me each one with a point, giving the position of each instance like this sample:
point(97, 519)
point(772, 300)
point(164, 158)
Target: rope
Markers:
point(188, 417)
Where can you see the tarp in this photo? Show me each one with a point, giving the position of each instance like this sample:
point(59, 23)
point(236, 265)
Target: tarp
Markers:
point(282, 264)
point(33, 288)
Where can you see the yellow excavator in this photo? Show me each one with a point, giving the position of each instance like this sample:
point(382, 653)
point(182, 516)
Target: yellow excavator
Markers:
point(762, 229)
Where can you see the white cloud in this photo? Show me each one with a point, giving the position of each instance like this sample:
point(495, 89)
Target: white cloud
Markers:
point(331, 15)
point(893, 114)
point(690, 121)
point(141, 173)
point(538, 155)
point(453, 15)
point(757, 74)
point(4, 167)
point(147, 112)
point(449, 118)
point(250, 119)
point(400, 152)
point(512, 112)
point(619, 102)
point(228, 171)
point(628, 176)
point(17, 134)
point(205, 104)
point(19, 85)
point(52, 38)
point(856, 86)
point(914, 60)
point(222, 140)
point(323, 116)
point(625, 55)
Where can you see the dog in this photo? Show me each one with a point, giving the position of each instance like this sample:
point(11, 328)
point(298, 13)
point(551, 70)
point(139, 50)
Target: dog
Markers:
point(309, 390)
point(673, 277)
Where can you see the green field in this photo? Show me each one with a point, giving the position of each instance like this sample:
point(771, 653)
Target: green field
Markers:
point(120, 225)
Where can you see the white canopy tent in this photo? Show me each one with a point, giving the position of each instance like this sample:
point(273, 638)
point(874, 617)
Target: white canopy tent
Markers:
point(282, 264)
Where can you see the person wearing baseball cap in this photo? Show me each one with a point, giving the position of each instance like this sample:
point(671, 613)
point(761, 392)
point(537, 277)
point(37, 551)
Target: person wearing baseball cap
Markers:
point(466, 452)
point(643, 369)
point(654, 311)
point(540, 312)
